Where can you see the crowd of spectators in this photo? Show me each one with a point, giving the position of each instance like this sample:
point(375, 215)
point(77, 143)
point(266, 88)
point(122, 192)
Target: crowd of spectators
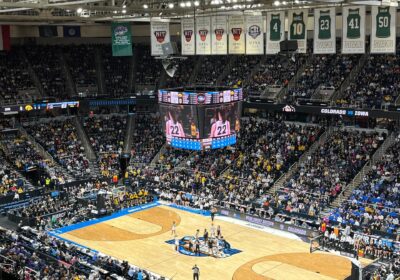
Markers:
point(242, 67)
point(148, 69)
point(15, 79)
point(211, 68)
point(324, 174)
point(60, 139)
point(116, 72)
point(373, 203)
point(325, 71)
point(147, 138)
point(377, 83)
point(183, 73)
point(106, 135)
point(11, 182)
point(46, 63)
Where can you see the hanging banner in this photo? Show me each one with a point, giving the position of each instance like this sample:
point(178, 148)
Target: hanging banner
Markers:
point(203, 36)
point(383, 29)
point(298, 28)
point(187, 36)
point(237, 42)
point(353, 36)
point(325, 31)
point(219, 37)
point(121, 39)
point(275, 32)
point(254, 35)
point(159, 35)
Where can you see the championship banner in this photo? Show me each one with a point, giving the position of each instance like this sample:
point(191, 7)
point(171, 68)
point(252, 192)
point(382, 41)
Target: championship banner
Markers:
point(254, 35)
point(219, 37)
point(275, 32)
point(187, 36)
point(121, 39)
point(159, 33)
point(324, 31)
point(237, 42)
point(383, 29)
point(353, 37)
point(298, 28)
point(203, 36)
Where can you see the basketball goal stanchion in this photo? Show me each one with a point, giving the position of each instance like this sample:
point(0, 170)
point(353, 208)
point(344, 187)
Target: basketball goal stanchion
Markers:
point(316, 243)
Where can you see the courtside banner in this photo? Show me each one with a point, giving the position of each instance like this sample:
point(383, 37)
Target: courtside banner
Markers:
point(219, 37)
point(254, 35)
point(237, 41)
point(353, 31)
point(275, 32)
point(325, 31)
point(383, 29)
point(5, 38)
point(159, 35)
point(298, 28)
point(121, 39)
point(187, 36)
point(203, 36)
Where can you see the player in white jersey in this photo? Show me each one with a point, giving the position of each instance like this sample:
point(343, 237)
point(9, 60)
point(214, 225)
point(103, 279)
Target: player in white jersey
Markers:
point(173, 128)
point(221, 127)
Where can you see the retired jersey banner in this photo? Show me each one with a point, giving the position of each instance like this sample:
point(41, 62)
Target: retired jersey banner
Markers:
point(298, 28)
point(203, 36)
point(383, 29)
point(254, 35)
point(353, 37)
point(159, 35)
point(275, 32)
point(121, 39)
point(187, 36)
point(325, 31)
point(237, 41)
point(219, 37)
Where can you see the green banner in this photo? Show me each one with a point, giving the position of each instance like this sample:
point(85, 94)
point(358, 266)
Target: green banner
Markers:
point(121, 39)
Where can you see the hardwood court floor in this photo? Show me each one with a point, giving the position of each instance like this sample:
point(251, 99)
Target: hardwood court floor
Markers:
point(140, 239)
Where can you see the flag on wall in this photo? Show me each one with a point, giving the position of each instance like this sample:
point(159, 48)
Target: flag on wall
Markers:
point(72, 31)
point(5, 38)
point(353, 30)
point(219, 37)
point(48, 31)
point(159, 35)
point(188, 36)
point(383, 29)
point(254, 35)
point(298, 28)
point(121, 39)
point(237, 41)
point(325, 31)
point(275, 31)
point(203, 36)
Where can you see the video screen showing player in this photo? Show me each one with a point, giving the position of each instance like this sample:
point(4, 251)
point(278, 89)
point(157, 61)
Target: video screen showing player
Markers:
point(222, 120)
point(180, 121)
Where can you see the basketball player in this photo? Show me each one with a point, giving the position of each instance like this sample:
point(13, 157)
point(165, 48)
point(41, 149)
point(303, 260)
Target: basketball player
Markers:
point(212, 230)
point(221, 127)
point(218, 231)
point(173, 230)
point(176, 243)
point(173, 128)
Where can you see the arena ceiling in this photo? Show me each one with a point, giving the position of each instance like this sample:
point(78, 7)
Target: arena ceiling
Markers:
point(90, 11)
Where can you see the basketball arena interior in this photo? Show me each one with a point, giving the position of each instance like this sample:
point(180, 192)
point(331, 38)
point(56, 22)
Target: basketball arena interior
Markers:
point(207, 139)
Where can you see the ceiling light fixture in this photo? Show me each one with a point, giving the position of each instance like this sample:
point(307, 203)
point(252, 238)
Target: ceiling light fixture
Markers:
point(79, 10)
point(196, 3)
point(145, 6)
point(171, 5)
point(277, 3)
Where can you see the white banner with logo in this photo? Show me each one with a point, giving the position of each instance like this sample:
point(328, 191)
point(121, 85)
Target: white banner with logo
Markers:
point(159, 36)
point(383, 29)
point(237, 41)
point(325, 31)
point(275, 32)
point(353, 30)
point(298, 28)
point(203, 35)
point(187, 36)
point(254, 35)
point(219, 37)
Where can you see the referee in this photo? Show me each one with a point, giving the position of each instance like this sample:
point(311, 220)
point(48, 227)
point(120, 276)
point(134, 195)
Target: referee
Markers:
point(196, 272)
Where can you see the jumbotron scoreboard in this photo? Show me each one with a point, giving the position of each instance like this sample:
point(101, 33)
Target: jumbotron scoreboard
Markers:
point(200, 118)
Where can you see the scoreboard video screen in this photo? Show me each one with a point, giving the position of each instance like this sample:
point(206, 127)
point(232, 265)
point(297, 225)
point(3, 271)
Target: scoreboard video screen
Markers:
point(213, 124)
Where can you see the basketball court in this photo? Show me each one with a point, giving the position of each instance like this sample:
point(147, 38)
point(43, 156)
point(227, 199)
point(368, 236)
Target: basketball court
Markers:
point(140, 238)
